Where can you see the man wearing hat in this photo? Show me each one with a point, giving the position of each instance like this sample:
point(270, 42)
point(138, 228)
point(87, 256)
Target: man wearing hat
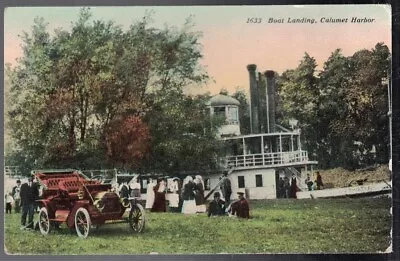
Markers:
point(29, 193)
point(241, 207)
point(217, 206)
point(16, 195)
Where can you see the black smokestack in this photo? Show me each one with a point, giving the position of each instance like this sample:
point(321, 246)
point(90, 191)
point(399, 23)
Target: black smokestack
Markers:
point(262, 99)
point(270, 80)
point(254, 103)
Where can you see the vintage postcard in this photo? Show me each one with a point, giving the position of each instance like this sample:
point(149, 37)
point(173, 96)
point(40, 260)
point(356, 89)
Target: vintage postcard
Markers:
point(197, 130)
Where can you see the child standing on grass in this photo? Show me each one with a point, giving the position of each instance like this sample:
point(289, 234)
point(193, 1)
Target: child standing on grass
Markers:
point(9, 201)
point(17, 197)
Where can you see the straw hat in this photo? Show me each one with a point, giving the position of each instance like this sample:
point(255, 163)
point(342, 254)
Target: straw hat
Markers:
point(241, 191)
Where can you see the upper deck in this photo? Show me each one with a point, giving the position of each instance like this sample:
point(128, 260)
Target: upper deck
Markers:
point(278, 149)
point(277, 159)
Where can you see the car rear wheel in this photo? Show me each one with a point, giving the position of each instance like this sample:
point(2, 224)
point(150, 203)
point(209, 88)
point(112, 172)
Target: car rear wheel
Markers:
point(136, 218)
point(82, 222)
point(44, 221)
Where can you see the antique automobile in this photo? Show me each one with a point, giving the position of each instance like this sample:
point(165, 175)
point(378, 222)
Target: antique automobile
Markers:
point(70, 197)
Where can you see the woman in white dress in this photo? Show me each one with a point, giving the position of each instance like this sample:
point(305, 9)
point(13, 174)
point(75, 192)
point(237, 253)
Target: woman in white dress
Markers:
point(174, 196)
point(135, 188)
point(150, 194)
point(188, 197)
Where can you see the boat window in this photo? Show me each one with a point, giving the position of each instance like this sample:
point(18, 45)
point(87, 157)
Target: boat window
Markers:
point(241, 182)
point(220, 112)
point(233, 115)
point(259, 181)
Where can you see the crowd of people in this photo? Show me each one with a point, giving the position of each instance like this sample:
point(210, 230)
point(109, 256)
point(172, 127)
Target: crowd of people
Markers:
point(187, 196)
point(164, 194)
point(288, 188)
point(316, 184)
point(23, 197)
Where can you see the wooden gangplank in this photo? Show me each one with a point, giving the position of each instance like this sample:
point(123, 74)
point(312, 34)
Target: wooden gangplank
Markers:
point(218, 184)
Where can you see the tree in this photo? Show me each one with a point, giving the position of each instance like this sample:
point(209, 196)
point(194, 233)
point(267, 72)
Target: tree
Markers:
point(299, 93)
point(183, 136)
point(367, 104)
point(334, 149)
point(127, 142)
point(73, 93)
point(342, 113)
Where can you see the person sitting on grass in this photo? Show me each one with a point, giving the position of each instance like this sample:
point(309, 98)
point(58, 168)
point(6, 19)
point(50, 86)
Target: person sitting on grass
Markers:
point(241, 207)
point(217, 206)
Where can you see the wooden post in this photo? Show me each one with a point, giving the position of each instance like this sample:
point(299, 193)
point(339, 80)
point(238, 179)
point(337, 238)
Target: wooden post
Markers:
point(299, 142)
point(262, 149)
point(291, 139)
point(280, 148)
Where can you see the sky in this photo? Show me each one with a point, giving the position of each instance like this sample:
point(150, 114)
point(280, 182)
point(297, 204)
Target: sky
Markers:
point(229, 42)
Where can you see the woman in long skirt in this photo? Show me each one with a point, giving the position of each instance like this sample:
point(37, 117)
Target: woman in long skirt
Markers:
point(189, 203)
point(174, 196)
point(159, 204)
point(293, 187)
point(150, 194)
point(199, 195)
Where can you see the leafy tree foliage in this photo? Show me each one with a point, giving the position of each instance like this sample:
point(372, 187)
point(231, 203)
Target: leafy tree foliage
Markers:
point(127, 141)
point(184, 135)
point(342, 109)
point(298, 90)
point(97, 96)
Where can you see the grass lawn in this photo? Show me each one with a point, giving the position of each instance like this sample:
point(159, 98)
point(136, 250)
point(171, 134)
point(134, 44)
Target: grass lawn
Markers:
point(278, 226)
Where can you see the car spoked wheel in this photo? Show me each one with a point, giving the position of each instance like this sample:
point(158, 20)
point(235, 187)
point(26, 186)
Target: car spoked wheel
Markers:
point(136, 218)
point(82, 222)
point(44, 222)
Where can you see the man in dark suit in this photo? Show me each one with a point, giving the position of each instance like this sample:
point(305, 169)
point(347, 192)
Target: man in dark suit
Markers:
point(29, 193)
point(241, 207)
point(217, 206)
point(226, 188)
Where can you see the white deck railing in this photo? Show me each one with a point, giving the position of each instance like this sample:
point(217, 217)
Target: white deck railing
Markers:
point(267, 159)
